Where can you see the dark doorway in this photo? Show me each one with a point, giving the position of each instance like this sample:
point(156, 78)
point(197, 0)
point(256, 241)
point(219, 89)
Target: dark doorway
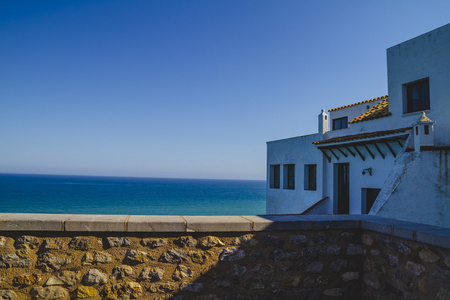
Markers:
point(341, 188)
point(368, 197)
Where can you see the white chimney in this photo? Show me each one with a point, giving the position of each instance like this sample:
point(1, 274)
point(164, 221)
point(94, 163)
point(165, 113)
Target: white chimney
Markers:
point(423, 133)
point(323, 122)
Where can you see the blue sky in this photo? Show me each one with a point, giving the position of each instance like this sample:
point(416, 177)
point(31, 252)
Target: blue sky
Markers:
point(186, 89)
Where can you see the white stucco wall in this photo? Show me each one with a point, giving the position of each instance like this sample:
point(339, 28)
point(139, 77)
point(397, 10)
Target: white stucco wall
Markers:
point(352, 111)
point(427, 55)
point(418, 189)
point(298, 151)
point(380, 170)
point(386, 123)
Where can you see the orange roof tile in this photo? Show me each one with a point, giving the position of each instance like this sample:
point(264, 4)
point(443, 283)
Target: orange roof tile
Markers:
point(380, 110)
point(358, 103)
point(367, 135)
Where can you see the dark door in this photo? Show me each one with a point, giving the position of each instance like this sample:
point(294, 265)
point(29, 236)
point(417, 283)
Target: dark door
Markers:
point(341, 187)
point(369, 197)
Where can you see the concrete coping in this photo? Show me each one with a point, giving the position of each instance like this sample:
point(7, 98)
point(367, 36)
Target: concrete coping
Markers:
point(437, 236)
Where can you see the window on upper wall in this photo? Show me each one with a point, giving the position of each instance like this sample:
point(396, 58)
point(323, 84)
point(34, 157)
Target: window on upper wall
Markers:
point(416, 96)
point(340, 123)
point(289, 177)
point(310, 177)
point(275, 176)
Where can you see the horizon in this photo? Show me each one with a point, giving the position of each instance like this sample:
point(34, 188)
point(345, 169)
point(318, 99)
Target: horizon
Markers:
point(185, 90)
point(135, 177)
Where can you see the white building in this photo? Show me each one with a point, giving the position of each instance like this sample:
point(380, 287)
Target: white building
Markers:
point(380, 156)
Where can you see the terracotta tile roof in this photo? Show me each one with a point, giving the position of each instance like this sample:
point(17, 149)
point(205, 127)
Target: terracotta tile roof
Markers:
point(358, 103)
point(380, 110)
point(367, 135)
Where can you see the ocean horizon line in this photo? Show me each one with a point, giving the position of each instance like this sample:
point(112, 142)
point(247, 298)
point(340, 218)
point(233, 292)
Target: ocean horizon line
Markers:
point(131, 177)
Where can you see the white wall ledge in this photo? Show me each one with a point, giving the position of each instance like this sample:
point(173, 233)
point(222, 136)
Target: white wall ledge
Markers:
point(437, 236)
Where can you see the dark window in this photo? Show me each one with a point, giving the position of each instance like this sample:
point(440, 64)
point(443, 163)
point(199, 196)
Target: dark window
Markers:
point(289, 177)
point(310, 177)
point(417, 130)
point(427, 129)
point(340, 123)
point(418, 96)
point(275, 176)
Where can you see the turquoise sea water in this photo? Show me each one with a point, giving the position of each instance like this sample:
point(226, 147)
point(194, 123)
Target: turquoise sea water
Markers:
point(130, 196)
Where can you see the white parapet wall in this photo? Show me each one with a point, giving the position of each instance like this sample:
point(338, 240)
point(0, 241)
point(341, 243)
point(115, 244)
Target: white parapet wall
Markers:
point(417, 189)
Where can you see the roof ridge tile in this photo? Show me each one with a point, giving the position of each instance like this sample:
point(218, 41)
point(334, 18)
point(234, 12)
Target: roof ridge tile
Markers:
point(358, 103)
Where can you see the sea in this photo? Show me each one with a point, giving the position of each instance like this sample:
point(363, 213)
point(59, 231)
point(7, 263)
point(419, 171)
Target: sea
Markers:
point(58, 194)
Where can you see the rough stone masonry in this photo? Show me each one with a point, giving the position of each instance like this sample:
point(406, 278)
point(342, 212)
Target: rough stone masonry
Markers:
point(326, 263)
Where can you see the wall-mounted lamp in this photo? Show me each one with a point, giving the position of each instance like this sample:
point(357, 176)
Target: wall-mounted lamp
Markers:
point(368, 170)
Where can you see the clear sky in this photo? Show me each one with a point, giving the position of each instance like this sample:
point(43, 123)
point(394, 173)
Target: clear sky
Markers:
point(186, 89)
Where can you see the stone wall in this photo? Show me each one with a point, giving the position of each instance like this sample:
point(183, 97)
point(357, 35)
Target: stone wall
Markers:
point(396, 268)
point(278, 257)
point(199, 266)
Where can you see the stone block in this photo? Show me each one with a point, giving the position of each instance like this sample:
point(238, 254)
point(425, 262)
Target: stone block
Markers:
point(429, 256)
point(95, 258)
point(94, 276)
point(173, 256)
point(408, 231)
point(334, 221)
point(96, 223)
point(8, 294)
point(135, 257)
point(279, 222)
point(26, 241)
point(231, 254)
point(237, 270)
point(5, 214)
point(191, 287)
point(182, 272)
point(198, 256)
point(53, 261)
point(245, 240)
point(64, 278)
point(216, 223)
point(336, 292)
point(377, 226)
point(210, 242)
point(18, 259)
point(440, 238)
point(152, 274)
point(153, 242)
point(284, 255)
point(414, 268)
point(50, 293)
point(80, 243)
point(118, 242)
point(33, 222)
point(86, 292)
point(156, 224)
point(348, 276)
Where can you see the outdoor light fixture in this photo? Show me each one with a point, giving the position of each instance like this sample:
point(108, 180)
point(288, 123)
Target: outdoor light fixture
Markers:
point(368, 170)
